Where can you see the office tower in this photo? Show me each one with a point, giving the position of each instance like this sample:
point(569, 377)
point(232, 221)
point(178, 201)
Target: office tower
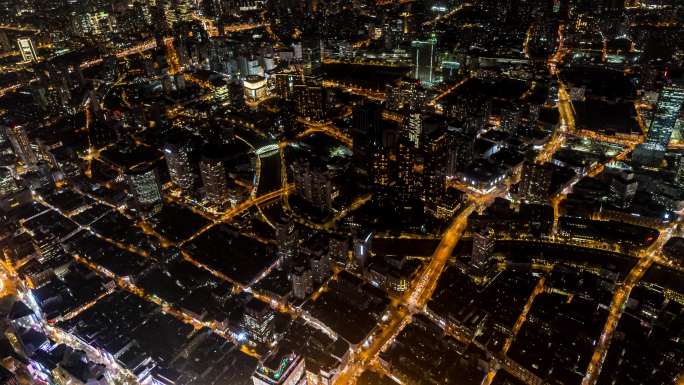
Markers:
point(7, 183)
point(361, 250)
point(414, 128)
point(669, 104)
point(460, 150)
point(424, 60)
point(649, 154)
point(27, 49)
point(177, 157)
point(407, 182)
point(366, 137)
point(380, 168)
point(185, 8)
point(316, 251)
point(311, 56)
point(255, 89)
point(144, 185)
point(320, 266)
point(434, 170)
point(214, 180)
point(406, 94)
point(309, 99)
point(4, 42)
point(258, 321)
point(543, 37)
point(623, 187)
point(236, 96)
point(314, 183)
point(302, 281)
point(535, 183)
point(47, 245)
point(21, 145)
point(679, 175)
point(511, 117)
point(483, 248)
point(286, 235)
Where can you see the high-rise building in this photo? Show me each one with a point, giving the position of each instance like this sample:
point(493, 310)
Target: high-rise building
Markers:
point(380, 168)
point(460, 151)
point(669, 104)
point(434, 171)
point(407, 181)
point(259, 322)
point(47, 245)
point(361, 250)
point(144, 185)
point(255, 88)
point(424, 60)
point(483, 248)
point(406, 94)
point(316, 251)
point(314, 183)
point(178, 161)
point(414, 128)
point(27, 49)
point(511, 117)
point(4, 42)
point(21, 145)
point(311, 56)
point(214, 180)
point(309, 99)
point(535, 182)
point(7, 183)
point(366, 137)
point(623, 188)
point(679, 176)
point(302, 281)
point(286, 235)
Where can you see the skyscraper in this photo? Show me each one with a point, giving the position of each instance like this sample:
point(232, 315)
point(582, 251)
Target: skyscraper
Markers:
point(286, 235)
point(178, 161)
point(7, 183)
point(302, 281)
point(459, 151)
point(27, 49)
point(424, 60)
point(679, 172)
point(144, 185)
point(623, 188)
point(21, 145)
point(414, 128)
point(311, 56)
point(483, 248)
point(435, 160)
point(670, 102)
point(316, 251)
point(407, 183)
point(258, 321)
point(214, 181)
point(313, 183)
point(366, 137)
point(309, 98)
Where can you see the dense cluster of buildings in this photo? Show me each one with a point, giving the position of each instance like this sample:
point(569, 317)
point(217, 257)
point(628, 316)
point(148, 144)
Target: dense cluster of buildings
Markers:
point(326, 192)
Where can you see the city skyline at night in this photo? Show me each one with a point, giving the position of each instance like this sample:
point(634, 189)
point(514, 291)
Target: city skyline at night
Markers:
point(342, 192)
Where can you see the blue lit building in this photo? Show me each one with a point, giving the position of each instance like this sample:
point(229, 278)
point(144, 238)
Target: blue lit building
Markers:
point(669, 103)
